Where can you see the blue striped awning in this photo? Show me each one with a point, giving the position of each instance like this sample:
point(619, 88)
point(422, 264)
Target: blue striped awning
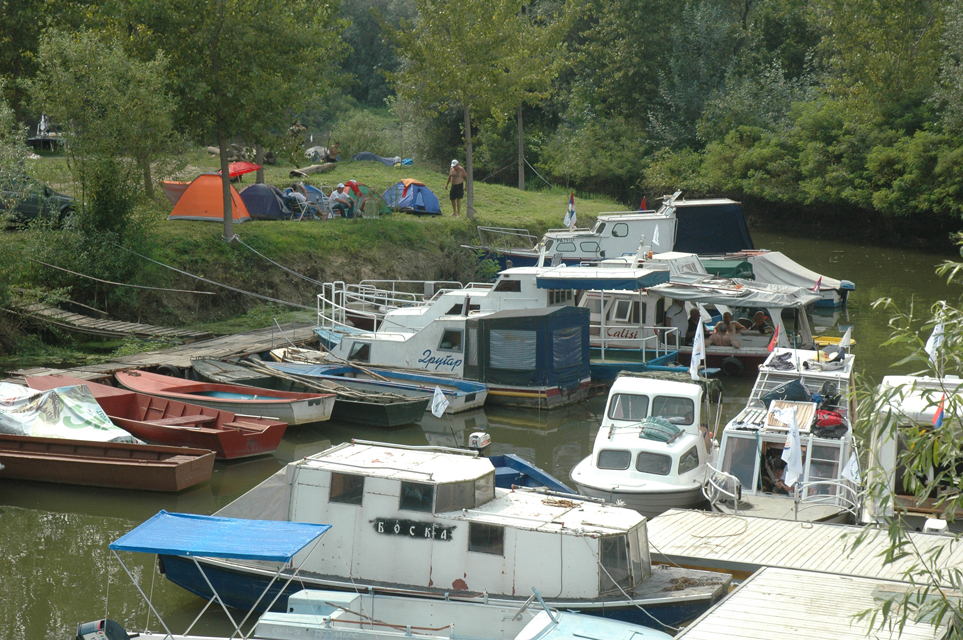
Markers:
point(597, 279)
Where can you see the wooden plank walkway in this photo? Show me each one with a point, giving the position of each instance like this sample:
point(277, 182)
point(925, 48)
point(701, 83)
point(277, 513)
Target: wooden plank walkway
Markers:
point(239, 344)
point(78, 323)
point(744, 544)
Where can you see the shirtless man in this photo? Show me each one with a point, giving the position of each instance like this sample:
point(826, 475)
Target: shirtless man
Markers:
point(456, 176)
point(721, 337)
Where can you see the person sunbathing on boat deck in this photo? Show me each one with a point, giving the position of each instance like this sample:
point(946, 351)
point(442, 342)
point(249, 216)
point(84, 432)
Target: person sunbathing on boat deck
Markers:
point(722, 338)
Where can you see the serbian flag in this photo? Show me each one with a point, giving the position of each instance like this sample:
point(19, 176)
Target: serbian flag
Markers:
point(818, 284)
point(775, 339)
point(938, 416)
point(570, 214)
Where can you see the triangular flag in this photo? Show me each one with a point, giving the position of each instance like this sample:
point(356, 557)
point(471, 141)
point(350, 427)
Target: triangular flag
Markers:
point(438, 403)
point(792, 454)
point(655, 236)
point(698, 350)
point(934, 343)
point(775, 339)
point(846, 339)
point(938, 416)
point(818, 284)
point(642, 206)
point(851, 470)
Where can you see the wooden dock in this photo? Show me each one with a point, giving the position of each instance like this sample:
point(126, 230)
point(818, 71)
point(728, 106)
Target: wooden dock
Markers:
point(237, 345)
point(105, 328)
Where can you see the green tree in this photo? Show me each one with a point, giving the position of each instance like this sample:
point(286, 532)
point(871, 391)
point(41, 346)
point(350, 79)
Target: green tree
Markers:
point(949, 93)
point(242, 67)
point(370, 57)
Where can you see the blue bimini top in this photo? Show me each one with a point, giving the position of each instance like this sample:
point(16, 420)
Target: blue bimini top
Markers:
point(185, 534)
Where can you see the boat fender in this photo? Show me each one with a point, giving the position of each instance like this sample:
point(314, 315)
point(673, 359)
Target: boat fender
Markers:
point(733, 366)
point(169, 370)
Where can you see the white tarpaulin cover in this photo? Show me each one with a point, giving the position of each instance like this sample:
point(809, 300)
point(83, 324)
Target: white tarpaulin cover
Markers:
point(777, 268)
point(738, 293)
point(67, 412)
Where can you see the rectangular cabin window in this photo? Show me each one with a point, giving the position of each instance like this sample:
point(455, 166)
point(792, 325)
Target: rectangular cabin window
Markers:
point(689, 460)
point(417, 497)
point(627, 406)
point(486, 538)
point(513, 349)
point(565, 247)
point(740, 460)
point(615, 564)
point(620, 230)
point(823, 463)
point(360, 352)
point(485, 489)
point(450, 340)
point(346, 489)
point(453, 496)
point(511, 286)
point(614, 459)
point(623, 309)
point(674, 409)
point(589, 247)
point(655, 463)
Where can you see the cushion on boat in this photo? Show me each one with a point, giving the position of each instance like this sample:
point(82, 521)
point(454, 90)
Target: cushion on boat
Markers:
point(657, 428)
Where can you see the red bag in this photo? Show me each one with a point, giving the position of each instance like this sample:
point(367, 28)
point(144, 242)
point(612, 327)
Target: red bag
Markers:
point(828, 418)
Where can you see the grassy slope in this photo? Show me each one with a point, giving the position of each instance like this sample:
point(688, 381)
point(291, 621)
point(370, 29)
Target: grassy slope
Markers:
point(398, 246)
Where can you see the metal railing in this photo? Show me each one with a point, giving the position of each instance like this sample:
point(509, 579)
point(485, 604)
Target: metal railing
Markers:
point(719, 487)
point(842, 493)
point(660, 341)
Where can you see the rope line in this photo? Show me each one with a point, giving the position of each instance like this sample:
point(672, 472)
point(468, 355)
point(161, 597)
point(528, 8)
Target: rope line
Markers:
point(280, 266)
point(543, 179)
point(217, 284)
point(121, 284)
point(491, 175)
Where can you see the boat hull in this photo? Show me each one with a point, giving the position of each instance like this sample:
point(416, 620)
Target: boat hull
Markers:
point(649, 503)
point(656, 603)
point(104, 464)
point(538, 397)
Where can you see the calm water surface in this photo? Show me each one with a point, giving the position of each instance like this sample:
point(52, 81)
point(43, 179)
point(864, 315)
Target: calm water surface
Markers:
point(56, 570)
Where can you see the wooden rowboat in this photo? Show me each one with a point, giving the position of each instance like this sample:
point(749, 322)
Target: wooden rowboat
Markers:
point(179, 424)
point(292, 408)
point(115, 465)
point(373, 408)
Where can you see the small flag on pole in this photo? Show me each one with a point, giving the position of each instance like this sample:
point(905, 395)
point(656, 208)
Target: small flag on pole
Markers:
point(817, 285)
point(775, 339)
point(938, 416)
point(851, 470)
point(438, 403)
point(570, 214)
point(698, 350)
point(642, 206)
point(934, 343)
point(846, 339)
point(655, 236)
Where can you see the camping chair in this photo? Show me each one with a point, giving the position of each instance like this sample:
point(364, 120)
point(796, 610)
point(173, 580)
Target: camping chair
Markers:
point(319, 200)
point(298, 209)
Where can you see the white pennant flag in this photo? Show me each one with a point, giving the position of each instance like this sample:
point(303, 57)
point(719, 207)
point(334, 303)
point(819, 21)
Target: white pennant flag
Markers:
point(851, 470)
point(655, 236)
point(935, 342)
point(438, 403)
point(792, 454)
point(698, 350)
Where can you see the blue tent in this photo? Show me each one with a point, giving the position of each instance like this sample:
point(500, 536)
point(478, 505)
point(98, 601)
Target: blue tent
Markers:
point(413, 197)
point(264, 202)
point(367, 155)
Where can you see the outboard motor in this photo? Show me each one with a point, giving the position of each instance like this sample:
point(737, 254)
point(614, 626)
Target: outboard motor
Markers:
point(105, 629)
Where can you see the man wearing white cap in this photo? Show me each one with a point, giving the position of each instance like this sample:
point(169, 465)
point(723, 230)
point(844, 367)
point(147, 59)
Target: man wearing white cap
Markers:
point(456, 176)
point(341, 202)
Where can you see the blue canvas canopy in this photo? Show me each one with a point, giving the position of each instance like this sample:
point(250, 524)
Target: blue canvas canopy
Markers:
point(598, 279)
point(412, 196)
point(185, 534)
point(264, 202)
point(367, 155)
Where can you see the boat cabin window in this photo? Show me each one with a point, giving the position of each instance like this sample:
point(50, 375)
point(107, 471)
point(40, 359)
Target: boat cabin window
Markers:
point(824, 463)
point(626, 406)
point(560, 296)
point(614, 459)
point(458, 309)
point(594, 305)
point(455, 495)
point(660, 311)
point(360, 352)
point(417, 497)
point(654, 463)
point(675, 410)
point(346, 489)
point(689, 460)
point(615, 567)
point(511, 286)
point(486, 538)
point(513, 349)
point(620, 230)
point(484, 487)
point(599, 228)
point(740, 459)
point(450, 340)
point(589, 247)
point(549, 243)
point(565, 247)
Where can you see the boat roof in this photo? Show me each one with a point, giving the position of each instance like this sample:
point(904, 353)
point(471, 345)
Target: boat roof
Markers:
point(187, 534)
point(918, 397)
point(799, 357)
point(423, 464)
point(653, 387)
point(604, 278)
point(739, 293)
point(784, 603)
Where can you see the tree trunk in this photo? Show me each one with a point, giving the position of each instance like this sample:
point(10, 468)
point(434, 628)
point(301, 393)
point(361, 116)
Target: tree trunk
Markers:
point(521, 151)
point(148, 183)
point(470, 200)
point(259, 161)
point(225, 187)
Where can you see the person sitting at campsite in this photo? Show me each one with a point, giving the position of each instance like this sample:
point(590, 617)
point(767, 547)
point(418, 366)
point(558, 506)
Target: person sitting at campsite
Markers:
point(331, 155)
point(341, 202)
point(297, 200)
point(734, 327)
point(759, 323)
point(721, 337)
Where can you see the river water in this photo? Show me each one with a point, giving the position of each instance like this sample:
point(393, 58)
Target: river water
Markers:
point(56, 570)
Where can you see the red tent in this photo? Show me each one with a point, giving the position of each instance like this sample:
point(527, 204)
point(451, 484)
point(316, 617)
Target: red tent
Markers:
point(236, 169)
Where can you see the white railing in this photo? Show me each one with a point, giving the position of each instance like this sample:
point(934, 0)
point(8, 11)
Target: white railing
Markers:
point(842, 493)
point(658, 340)
point(720, 486)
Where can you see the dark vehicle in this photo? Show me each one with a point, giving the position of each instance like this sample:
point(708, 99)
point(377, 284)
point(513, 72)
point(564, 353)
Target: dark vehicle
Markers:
point(30, 199)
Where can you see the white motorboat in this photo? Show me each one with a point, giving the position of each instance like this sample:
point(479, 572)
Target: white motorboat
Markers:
point(653, 446)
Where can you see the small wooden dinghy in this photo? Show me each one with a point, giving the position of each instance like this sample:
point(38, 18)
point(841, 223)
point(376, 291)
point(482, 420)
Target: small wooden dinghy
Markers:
point(115, 465)
point(292, 408)
point(178, 424)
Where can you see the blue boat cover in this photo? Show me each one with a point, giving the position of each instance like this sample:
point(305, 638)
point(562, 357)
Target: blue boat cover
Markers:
point(186, 534)
point(597, 279)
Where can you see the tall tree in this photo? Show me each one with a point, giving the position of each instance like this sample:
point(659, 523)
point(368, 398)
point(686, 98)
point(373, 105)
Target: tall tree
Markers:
point(243, 67)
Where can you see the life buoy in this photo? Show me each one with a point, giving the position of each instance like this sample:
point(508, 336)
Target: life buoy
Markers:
point(169, 370)
point(732, 367)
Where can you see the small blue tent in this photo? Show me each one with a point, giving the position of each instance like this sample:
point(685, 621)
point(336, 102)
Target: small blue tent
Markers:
point(412, 196)
point(264, 202)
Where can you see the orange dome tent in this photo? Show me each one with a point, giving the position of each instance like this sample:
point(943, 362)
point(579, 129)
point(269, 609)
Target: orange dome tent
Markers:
point(203, 200)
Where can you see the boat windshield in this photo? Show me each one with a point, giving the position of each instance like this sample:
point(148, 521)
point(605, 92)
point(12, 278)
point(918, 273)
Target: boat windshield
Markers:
point(674, 409)
point(628, 406)
point(623, 561)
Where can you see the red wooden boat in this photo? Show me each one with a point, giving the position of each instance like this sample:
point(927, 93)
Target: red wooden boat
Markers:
point(176, 423)
point(292, 408)
point(115, 465)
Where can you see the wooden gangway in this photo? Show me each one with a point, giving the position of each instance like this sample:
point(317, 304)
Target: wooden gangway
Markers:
point(237, 345)
point(104, 327)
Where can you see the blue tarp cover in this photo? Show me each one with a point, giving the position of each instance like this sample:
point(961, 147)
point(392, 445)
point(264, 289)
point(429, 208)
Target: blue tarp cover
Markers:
point(185, 534)
point(599, 279)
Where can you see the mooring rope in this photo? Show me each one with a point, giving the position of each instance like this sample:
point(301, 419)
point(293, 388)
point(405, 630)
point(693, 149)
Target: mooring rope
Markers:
point(121, 284)
point(279, 266)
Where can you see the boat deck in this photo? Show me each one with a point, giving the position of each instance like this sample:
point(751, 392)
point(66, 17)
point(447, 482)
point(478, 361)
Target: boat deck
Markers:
point(739, 544)
point(784, 603)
